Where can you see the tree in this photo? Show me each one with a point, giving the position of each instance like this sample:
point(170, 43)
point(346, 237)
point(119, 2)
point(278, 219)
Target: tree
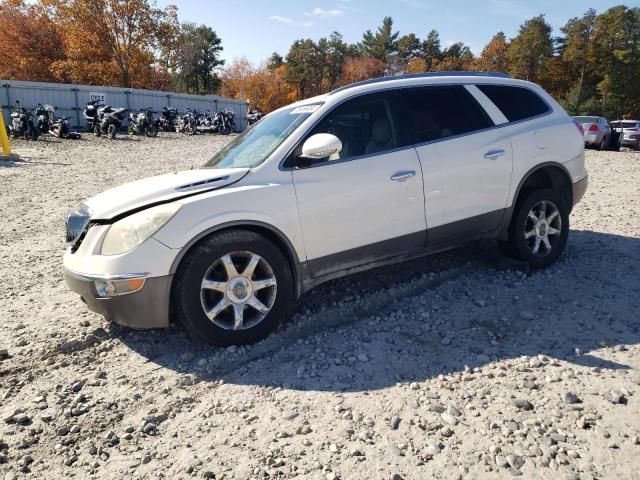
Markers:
point(337, 54)
point(578, 50)
point(494, 55)
point(198, 59)
point(274, 62)
point(30, 42)
point(409, 48)
point(530, 50)
point(120, 34)
point(617, 60)
point(361, 68)
point(299, 63)
point(383, 43)
point(431, 49)
point(456, 57)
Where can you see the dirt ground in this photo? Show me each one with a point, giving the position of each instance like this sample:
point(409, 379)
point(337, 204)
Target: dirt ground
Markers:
point(448, 367)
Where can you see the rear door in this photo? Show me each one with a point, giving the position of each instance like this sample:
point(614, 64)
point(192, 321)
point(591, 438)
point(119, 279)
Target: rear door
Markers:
point(466, 163)
point(367, 202)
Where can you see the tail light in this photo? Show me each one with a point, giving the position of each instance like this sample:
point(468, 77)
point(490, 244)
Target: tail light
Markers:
point(593, 128)
point(579, 127)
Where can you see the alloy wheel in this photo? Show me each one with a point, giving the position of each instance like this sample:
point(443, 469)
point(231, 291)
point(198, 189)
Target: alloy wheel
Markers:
point(543, 228)
point(238, 290)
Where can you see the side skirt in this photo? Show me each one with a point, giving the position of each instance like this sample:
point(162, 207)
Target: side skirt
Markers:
point(439, 239)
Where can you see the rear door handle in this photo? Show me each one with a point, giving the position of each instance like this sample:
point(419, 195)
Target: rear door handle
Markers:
point(402, 176)
point(493, 154)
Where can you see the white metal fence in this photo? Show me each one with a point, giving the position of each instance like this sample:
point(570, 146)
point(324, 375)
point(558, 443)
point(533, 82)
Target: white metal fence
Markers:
point(69, 100)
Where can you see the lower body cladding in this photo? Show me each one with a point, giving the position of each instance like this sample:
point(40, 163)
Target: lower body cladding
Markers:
point(134, 301)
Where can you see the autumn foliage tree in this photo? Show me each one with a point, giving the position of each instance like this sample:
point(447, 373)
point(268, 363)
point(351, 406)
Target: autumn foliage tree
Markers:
point(30, 42)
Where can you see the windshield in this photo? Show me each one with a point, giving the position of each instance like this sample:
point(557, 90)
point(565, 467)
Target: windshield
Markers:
point(587, 119)
point(255, 144)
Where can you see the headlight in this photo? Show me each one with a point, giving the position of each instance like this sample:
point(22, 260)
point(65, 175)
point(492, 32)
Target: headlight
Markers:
point(131, 231)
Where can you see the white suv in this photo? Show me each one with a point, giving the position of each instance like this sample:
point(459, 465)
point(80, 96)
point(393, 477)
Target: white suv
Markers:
point(372, 173)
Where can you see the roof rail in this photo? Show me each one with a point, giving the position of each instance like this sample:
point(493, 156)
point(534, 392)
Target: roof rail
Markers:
point(421, 75)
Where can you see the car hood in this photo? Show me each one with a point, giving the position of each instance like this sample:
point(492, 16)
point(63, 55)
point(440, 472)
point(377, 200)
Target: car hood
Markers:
point(159, 189)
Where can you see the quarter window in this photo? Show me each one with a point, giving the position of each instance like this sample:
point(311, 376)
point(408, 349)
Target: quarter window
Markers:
point(516, 103)
point(434, 112)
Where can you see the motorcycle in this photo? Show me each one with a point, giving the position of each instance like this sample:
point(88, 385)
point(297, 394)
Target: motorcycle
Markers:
point(59, 127)
point(42, 119)
point(254, 116)
point(205, 122)
point(90, 114)
point(142, 123)
point(109, 121)
point(187, 123)
point(21, 123)
point(167, 121)
point(223, 122)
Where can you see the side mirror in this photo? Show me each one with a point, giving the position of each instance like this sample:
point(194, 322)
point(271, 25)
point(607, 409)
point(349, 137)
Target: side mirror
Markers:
point(321, 145)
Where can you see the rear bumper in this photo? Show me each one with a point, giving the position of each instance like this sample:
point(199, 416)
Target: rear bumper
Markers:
point(144, 309)
point(592, 138)
point(579, 188)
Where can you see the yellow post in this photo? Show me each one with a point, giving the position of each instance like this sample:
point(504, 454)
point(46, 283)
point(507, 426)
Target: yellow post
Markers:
point(4, 140)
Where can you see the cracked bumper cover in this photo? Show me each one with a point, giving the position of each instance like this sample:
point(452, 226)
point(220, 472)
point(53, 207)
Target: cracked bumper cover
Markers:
point(143, 309)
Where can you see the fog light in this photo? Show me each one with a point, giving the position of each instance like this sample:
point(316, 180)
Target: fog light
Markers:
point(112, 288)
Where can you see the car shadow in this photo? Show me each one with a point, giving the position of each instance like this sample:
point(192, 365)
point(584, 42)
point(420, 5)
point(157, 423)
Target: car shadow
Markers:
point(450, 312)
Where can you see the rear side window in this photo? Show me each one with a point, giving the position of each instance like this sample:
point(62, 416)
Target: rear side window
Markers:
point(516, 103)
point(439, 112)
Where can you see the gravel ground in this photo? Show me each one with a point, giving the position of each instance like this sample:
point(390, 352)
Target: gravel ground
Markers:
point(449, 367)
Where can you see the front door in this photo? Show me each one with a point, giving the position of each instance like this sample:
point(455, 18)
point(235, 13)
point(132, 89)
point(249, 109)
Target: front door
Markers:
point(366, 203)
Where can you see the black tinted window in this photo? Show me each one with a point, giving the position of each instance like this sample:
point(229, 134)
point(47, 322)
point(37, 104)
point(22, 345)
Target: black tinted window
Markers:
point(440, 112)
point(365, 125)
point(516, 103)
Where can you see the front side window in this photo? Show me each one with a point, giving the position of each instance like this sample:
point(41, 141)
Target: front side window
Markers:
point(255, 144)
point(436, 112)
point(365, 125)
point(516, 103)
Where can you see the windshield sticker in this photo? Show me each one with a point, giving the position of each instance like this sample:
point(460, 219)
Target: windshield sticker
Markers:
point(305, 109)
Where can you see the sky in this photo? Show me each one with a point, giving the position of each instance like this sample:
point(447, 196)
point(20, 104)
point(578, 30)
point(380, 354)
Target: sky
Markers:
point(256, 28)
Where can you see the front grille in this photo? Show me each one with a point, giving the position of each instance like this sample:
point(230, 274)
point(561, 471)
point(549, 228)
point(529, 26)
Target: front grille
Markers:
point(76, 227)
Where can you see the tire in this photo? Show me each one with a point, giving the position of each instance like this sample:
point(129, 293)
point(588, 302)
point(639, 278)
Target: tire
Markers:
point(522, 248)
point(226, 130)
point(152, 131)
point(189, 300)
point(190, 130)
point(131, 129)
point(97, 130)
point(603, 144)
point(112, 131)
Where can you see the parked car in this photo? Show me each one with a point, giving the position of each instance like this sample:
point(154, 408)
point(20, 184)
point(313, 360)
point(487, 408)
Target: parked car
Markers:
point(597, 132)
point(630, 130)
point(372, 173)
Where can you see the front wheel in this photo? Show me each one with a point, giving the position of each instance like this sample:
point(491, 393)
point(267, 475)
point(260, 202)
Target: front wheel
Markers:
point(152, 131)
point(539, 229)
point(233, 288)
point(131, 130)
point(111, 131)
point(97, 130)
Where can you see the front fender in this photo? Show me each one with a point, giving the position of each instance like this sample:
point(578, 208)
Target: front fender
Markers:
point(270, 205)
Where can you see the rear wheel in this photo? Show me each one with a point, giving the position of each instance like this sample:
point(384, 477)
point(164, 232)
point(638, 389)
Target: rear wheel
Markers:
point(131, 129)
point(233, 288)
point(539, 229)
point(603, 144)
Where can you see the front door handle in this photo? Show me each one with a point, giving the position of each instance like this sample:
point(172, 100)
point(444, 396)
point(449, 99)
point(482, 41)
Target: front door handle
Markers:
point(493, 154)
point(402, 176)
